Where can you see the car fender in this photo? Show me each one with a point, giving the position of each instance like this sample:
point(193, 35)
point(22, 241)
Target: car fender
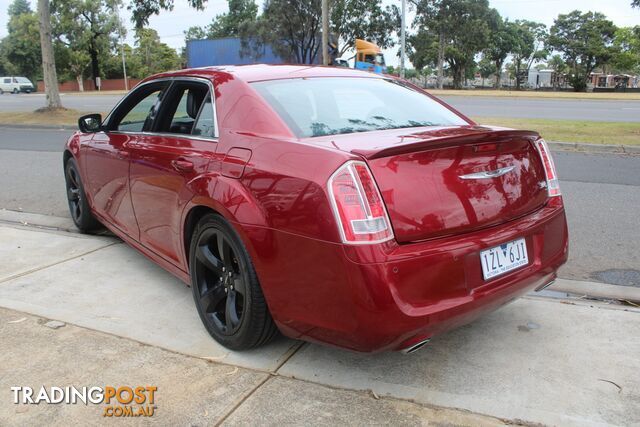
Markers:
point(229, 198)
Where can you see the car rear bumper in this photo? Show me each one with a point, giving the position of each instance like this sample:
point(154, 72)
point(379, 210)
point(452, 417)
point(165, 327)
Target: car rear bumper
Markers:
point(390, 296)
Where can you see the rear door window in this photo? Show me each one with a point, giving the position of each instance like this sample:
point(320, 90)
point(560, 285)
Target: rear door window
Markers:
point(205, 124)
point(188, 110)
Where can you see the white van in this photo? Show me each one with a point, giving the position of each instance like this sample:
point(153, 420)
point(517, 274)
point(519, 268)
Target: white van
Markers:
point(16, 85)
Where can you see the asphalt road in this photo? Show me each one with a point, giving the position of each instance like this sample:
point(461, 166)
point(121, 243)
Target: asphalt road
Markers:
point(544, 108)
point(601, 193)
point(569, 109)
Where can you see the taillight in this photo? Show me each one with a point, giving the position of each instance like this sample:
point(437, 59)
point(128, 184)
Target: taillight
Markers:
point(553, 186)
point(358, 206)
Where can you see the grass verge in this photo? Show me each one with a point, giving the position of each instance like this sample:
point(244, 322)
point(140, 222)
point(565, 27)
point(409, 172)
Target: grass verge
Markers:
point(611, 133)
point(61, 117)
point(614, 96)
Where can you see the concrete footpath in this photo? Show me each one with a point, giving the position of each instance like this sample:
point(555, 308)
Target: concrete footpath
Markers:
point(555, 361)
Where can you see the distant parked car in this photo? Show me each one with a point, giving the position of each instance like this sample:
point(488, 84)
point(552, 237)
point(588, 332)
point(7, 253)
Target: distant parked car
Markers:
point(16, 85)
point(338, 206)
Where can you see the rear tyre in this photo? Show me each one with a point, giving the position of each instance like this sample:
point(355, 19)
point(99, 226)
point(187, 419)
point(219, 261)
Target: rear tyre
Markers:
point(78, 205)
point(225, 287)
point(1, 92)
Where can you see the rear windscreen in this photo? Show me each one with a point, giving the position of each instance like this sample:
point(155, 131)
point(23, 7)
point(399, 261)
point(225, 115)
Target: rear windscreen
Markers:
point(337, 105)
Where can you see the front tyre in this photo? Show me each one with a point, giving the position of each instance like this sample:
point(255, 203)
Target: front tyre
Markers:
point(225, 287)
point(78, 205)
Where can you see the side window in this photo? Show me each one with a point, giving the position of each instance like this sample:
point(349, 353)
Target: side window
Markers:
point(182, 108)
point(205, 124)
point(140, 116)
point(7, 80)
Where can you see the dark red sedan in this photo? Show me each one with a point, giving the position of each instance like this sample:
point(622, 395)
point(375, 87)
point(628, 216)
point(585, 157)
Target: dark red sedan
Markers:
point(334, 205)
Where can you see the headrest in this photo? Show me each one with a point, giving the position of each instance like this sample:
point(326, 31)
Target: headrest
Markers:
point(194, 100)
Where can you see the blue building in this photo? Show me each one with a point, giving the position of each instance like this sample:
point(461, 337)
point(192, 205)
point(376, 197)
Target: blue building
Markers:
point(228, 51)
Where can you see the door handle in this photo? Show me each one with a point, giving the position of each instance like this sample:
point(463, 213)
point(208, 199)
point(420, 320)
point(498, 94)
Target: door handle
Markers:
point(182, 165)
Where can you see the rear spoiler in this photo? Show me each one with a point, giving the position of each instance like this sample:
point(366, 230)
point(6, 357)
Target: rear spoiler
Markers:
point(447, 137)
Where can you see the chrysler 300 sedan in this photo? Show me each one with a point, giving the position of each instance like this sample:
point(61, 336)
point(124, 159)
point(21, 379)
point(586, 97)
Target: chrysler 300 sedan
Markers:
point(332, 205)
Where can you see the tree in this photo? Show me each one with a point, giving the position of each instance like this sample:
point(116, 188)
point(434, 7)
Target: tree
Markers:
point(142, 10)
point(48, 60)
point(635, 3)
point(487, 67)
point(229, 24)
point(21, 47)
point(502, 41)
point(150, 55)
point(71, 64)
point(626, 45)
point(291, 28)
point(585, 42)
point(528, 47)
point(458, 29)
point(89, 26)
point(195, 33)
point(19, 7)
point(363, 19)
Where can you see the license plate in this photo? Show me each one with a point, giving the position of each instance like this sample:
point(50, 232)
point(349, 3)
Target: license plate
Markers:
point(503, 258)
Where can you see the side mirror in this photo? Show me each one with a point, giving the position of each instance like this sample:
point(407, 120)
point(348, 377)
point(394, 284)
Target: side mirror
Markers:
point(90, 123)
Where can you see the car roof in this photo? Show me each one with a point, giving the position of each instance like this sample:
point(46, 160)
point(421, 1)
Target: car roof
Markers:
point(260, 72)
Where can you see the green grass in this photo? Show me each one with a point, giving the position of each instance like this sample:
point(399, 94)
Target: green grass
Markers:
point(48, 118)
point(612, 133)
point(617, 96)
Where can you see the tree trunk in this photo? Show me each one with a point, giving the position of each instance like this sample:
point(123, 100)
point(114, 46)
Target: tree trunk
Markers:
point(498, 74)
point(95, 64)
point(48, 60)
point(439, 80)
point(80, 80)
point(325, 33)
point(457, 76)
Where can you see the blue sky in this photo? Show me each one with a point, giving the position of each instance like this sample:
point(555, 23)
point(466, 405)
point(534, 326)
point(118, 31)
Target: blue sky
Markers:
point(170, 25)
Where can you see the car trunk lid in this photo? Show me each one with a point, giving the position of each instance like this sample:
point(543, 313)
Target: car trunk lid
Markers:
point(444, 181)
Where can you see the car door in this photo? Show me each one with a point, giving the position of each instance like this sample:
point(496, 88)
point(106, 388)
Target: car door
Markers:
point(177, 151)
point(107, 156)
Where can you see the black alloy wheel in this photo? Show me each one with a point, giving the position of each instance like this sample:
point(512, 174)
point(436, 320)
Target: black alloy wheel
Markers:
point(78, 206)
point(225, 287)
point(221, 285)
point(74, 195)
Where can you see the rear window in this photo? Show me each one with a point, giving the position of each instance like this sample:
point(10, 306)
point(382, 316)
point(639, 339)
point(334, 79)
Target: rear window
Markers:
point(333, 105)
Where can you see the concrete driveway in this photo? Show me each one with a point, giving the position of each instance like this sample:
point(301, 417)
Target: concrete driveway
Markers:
point(540, 360)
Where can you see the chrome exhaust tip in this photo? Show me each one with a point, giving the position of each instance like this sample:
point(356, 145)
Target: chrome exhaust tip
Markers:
point(543, 287)
point(417, 346)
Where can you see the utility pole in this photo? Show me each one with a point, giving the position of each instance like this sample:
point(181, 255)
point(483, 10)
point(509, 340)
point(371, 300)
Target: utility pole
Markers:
point(124, 62)
point(403, 37)
point(325, 32)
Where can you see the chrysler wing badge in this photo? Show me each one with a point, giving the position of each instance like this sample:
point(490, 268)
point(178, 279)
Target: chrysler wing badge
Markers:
point(488, 174)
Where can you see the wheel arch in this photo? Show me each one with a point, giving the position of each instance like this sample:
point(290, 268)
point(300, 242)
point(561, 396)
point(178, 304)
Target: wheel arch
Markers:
point(223, 196)
point(66, 156)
